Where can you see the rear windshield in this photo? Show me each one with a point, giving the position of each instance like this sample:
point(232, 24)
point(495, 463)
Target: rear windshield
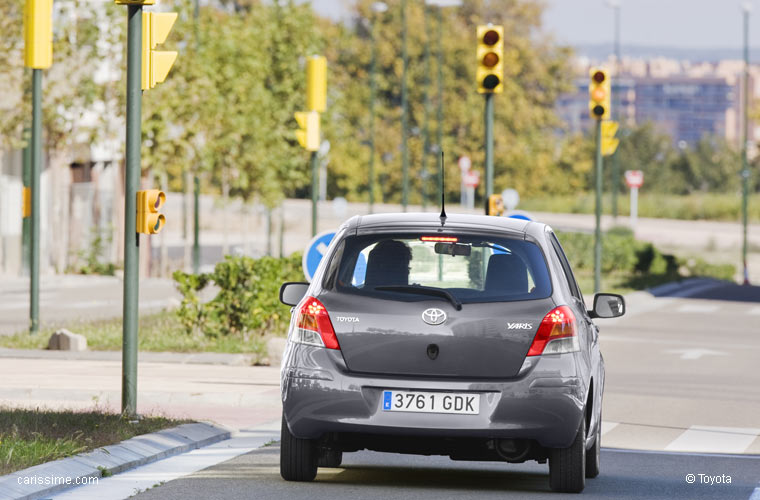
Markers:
point(471, 268)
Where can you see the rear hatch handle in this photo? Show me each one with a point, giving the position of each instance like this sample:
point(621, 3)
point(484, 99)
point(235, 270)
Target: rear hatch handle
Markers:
point(423, 290)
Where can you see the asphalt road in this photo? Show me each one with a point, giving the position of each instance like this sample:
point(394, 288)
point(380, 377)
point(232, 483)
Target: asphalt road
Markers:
point(369, 475)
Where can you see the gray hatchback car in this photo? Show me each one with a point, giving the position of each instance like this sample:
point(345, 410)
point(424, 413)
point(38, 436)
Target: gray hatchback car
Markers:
point(464, 336)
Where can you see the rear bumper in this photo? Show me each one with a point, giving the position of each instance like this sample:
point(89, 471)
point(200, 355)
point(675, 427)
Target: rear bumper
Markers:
point(319, 397)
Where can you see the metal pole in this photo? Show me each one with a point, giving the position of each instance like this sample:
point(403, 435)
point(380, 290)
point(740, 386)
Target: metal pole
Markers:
point(372, 92)
point(745, 167)
point(439, 130)
point(616, 112)
point(282, 228)
point(26, 177)
point(314, 187)
point(489, 148)
point(269, 232)
point(404, 111)
point(426, 126)
point(196, 224)
point(598, 228)
point(196, 178)
point(34, 261)
point(131, 238)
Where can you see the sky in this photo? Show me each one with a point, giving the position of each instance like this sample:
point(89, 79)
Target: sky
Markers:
point(673, 23)
point(698, 24)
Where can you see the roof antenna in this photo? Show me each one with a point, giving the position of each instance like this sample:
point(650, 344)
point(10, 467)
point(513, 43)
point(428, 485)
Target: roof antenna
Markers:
point(443, 193)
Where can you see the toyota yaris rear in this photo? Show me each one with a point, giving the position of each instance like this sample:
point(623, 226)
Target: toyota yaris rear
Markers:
point(465, 337)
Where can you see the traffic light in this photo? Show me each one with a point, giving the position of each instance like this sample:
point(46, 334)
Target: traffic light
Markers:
point(316, 83)
point(308, 133)
point(38, 34)
point(26, 202)
point(599, 94)
point(495, 205)
point(490, 55)
point(149, 221)
point(609, 141)
point(156, 63)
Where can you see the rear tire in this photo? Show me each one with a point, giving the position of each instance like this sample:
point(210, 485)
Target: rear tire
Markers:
point(330, 458)
point(567, 466)
point(298, 457)
point(593, 455)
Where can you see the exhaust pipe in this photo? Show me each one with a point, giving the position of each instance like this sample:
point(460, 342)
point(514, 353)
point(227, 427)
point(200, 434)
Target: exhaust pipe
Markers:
point(513, 450)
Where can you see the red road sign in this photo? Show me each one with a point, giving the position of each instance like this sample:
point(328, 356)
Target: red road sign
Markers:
point(634, 178)
point(471, 179)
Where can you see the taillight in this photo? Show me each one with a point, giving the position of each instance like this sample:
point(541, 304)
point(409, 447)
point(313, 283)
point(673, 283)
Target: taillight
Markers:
point(557, 333)
point(314, 327)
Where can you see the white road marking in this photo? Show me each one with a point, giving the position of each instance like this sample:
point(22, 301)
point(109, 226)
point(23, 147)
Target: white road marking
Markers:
point(698, 308)
point(755, 311)
point(128, 483)
point(608, 426)
point(714, 439)
point(696, 353)
point(755, 494)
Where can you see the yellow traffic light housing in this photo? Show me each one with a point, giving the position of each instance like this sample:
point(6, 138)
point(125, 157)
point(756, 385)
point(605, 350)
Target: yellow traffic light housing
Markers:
point(149, 221)
point(308, 133)
point(490, 54)
point(26, 202)
point(599, 92)
point(495, 205)
point(316, 83)
point(156, 63)
point(38, 34)
point(609, 141)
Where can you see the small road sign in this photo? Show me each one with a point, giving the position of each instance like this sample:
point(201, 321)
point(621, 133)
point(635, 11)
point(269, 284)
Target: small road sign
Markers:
point(520, 214)
point(314, 252)
point(471, 179)
point(634, 178)
point(464, 163)
point(511, 198)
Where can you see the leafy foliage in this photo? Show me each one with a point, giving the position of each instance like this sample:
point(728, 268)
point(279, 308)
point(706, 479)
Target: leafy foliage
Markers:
point(247, 302)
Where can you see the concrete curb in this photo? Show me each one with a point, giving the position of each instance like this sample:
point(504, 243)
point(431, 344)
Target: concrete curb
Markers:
point(200, 358)
point(112, 459)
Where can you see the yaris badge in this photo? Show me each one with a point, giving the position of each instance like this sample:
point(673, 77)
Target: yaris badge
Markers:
point(433, 316)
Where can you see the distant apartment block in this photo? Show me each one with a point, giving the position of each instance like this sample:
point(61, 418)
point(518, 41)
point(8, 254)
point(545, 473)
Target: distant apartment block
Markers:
point(685, 100)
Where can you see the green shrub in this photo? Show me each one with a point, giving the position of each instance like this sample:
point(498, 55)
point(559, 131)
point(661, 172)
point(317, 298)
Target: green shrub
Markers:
point(247, 302)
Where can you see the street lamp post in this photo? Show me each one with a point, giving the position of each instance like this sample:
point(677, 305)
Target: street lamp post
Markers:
point(377, 8)
point(746, 7)
point(439, 118)
point(616, 104)
point(404, 111)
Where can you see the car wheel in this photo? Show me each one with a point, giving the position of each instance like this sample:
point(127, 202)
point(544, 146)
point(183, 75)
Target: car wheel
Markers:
point(567, 466)
point(593, 454)
point(298, 457)
point(330, 458)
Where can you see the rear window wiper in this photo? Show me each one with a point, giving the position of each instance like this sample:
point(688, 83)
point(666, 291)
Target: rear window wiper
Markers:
point(422, 290)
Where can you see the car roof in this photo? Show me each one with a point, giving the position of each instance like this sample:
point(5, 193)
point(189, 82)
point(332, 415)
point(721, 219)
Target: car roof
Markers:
point(432, 221)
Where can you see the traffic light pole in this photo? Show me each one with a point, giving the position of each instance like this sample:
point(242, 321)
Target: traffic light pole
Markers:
point(314, 189)
point(372, 92)
point(131, 238)
point(489, 148)
point(598, 228)
point(36, 157)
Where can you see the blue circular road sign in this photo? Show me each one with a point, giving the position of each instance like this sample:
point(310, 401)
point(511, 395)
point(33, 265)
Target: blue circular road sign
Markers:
point(314, 252)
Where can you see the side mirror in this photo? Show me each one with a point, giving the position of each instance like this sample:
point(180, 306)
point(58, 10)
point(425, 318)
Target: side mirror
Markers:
point(608, 305)
point(292, 292)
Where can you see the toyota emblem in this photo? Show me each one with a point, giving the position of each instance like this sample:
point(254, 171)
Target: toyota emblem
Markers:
point(433, 316)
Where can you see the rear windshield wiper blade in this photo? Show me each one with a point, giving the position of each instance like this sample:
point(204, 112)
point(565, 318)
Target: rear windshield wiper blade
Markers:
point(422, 290)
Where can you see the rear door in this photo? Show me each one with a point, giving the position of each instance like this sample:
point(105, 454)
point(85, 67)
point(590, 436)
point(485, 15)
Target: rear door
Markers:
point(501, 291)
